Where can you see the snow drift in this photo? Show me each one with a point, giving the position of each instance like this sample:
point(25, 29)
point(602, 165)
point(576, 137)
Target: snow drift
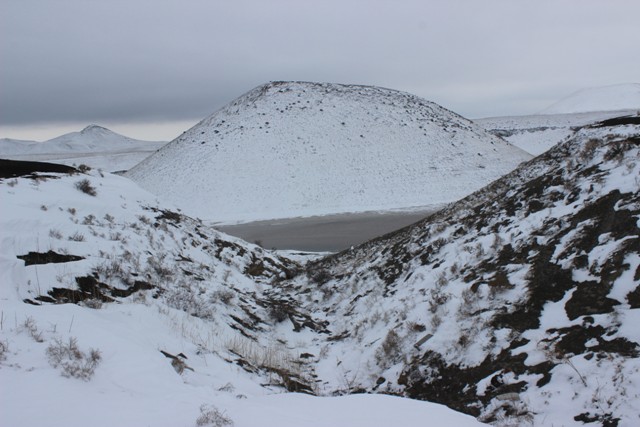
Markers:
point(605, 98)
point(290, 149)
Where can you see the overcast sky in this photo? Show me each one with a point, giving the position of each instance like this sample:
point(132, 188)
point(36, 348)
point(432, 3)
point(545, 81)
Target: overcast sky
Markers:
point(152, 68)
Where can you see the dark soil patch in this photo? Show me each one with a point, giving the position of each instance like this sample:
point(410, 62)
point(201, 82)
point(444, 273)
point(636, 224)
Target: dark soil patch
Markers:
point(455, 385)
point(590, 298)
point(91, 289)
point(167, 215)
point(606, 420)
point(617, 121)
point(50, 257)
point(633, 297)
point(15, 168)
point(546, 281)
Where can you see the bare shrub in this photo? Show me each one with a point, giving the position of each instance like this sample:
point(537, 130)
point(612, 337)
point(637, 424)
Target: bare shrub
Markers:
point(223, 295)
point(438, 298)
point(117, 236)
point(179, 365)
point(416, 327)
point(88, 220)
point(77, 237)
point(319, 276)
point(389, 351)
point(589, 149)
point(84, 168)
point(442, 279)
point(85, 186)
point(158, 266)
point(469, 303)
point(212, 416)
point(278, 313)
point(436, 321)
point(30, 327)
point(91, 303)
point(73, 362)
point(464, 340)
point(111, 268)
point(55, 234)
point(186, 296)
point(228, 387)
point(4, 348)
point(439, 243)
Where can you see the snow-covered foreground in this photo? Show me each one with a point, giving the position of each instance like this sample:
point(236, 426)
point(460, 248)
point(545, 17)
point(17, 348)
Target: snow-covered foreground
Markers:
point(147, 279)
point(93, 146)
point(135, 385)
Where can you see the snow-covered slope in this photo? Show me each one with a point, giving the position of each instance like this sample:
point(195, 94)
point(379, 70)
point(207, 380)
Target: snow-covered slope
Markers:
point(535, 134)
point(179, 317)
point(605, 98)
point(290, 149)
point(519, 304)
point(93, 146)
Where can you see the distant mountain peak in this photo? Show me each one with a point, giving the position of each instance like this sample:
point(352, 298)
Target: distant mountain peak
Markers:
point(95, 129)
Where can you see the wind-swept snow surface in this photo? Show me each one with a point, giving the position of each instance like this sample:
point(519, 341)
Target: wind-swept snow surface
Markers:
point(290, 149)
point(606, 98)
point(94, 146)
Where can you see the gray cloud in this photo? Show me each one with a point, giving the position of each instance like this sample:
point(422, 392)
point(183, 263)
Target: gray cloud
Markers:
point(86, 60)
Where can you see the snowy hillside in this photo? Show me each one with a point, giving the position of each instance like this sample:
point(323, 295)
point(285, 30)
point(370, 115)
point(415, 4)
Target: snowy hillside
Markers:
point(519, 304)
point(118, 310)
point(535, 134)
point(93, 146)
point(605, 98)
point(290, 149)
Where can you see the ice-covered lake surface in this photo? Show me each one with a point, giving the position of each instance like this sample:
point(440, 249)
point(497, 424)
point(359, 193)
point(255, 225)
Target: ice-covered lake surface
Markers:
point(330, 233)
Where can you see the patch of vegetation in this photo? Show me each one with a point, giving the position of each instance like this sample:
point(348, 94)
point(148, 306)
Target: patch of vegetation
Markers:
point(210, 416)
point(73, 362)
point(85, 186)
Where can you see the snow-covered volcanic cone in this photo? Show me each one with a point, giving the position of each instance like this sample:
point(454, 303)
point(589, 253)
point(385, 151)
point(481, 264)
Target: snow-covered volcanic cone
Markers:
point(290, 149)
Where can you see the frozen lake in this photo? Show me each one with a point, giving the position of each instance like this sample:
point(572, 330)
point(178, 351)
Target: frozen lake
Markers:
point(330, 233)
